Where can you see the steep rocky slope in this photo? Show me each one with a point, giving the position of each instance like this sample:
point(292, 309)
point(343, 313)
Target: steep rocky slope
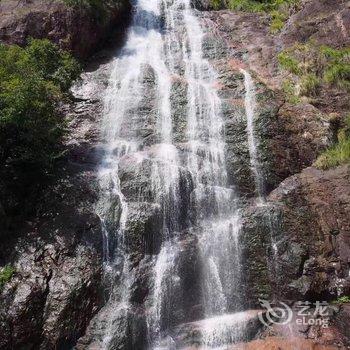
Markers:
point(56, 254)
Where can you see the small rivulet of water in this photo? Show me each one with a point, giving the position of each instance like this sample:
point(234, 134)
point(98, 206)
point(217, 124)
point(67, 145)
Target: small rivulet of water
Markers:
point(250, 109)
point(272, 221)
point(186, 182)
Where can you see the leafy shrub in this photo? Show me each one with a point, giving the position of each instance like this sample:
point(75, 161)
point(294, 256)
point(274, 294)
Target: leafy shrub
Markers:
point(277, 21)
point(342, 300)
point(278, 9)
point(337, 69)
point(309, 85)
point(288, 62)
point(339, 153)
point(246, 5)
point(32, 82)
point(216, 4)
point(288, 87)
point(317, 65)
point(6, 274)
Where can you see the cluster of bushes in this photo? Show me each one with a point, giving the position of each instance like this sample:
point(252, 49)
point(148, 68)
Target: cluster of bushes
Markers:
point(33, 81)
point(340, 152)
point(279, 10)
point(315, 65)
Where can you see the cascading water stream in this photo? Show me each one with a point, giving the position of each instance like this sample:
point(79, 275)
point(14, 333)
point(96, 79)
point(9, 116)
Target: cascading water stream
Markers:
point(251, 108)
point(187, 180)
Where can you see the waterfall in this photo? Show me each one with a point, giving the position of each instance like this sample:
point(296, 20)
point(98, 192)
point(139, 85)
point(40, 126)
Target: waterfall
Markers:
point(186, 181)
point(250, 108)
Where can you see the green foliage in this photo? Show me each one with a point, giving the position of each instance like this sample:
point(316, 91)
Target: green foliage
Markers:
point(337, 68)
point(6, 274)
point(309, 85)
point(288, 62)
point(278, 19)
point(342, 300)
point(53, 64)
point(216, 4)
point(32, 80)
point(288, 87)
point(246, 5)
point(339, 153)
point(317, 65)
point(279, 10)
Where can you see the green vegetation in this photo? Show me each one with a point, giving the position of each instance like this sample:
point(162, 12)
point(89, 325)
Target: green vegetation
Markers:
point(337, 69)
point(317, 65)
point(216, 4)
point(33, 80)
point(6, 274)
point(279, 10)
point(260, 6)
point(339, 153)
point(289, 63)
point(342, 300)
point(278, 18)
point(309, 85)
point(288, 88)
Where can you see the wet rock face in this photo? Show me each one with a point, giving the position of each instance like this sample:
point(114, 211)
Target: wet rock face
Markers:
point(255, 240)
point(56, 288)
point(313, 244)
point(298, 244)
point(296, 136)
point(73, 29)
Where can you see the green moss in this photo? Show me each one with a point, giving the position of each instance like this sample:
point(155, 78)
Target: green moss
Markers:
point(6, 274)
point(339, 153)
point(342, 300)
